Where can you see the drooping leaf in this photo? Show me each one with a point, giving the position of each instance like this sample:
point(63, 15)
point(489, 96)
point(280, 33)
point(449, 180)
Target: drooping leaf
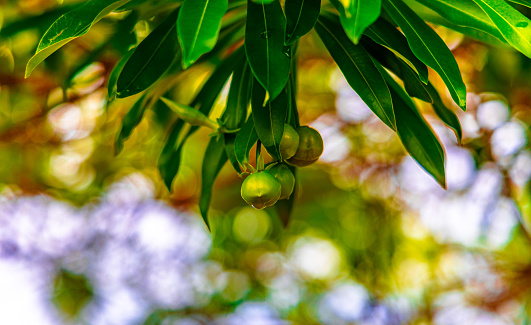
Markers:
point(245, 140)
point(416, 135)
point(152, 57)
point(198, 27)
point(115, 73)
point(385, 34)
point(69, 26)
point(170, 157)
point(429, 48)
point(191, 115)
point(444, 113)
point(269, 119)
point(229, 139)
point(526, 3)
point(268, 58)
point(130, 121)
point(358, 68)
point(301, 16)
point(357, 15)
point(214, 159)
point(513, 25)
point(463, 13)
point(238, 98)
point(412, 83)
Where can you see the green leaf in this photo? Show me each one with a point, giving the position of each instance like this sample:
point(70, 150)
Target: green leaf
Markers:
point(385, 34)
point(191, 115)
point(301, 16)
point(245, 140)
point(130, 121)
point(229, 140)
point(115, 73)
point(412, 83)
point(69, 26)
point(152, 57)
point(268, 58)
point(358, 68)
point(429, 48)
point(514, 26)
point(170, 157)
point(463, 13)
point(357, 15)
point(285, 207)
point(198, 27)
point(238, 98)
point(526, 3)
point(269, 119)
point(445, 114)
point(416, 135)
point(214, 159)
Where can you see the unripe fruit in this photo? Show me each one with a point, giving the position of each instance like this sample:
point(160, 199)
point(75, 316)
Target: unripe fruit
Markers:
point(310, 147)
point(287, 181)
point(289, 142)
point(261, 189)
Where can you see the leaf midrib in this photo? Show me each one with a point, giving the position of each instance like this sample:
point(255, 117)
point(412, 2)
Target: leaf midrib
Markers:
point(198, 29)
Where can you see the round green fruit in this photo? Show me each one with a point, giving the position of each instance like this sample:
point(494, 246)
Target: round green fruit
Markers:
point(261, 189)
point(310, 147)
point(286, 178)
point(289, 142)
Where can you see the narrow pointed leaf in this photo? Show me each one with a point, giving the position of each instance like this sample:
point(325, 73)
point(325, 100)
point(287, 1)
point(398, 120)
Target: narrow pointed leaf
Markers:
point(245, 140)
point(69, 26)
point(416, 135)
point(358, 68)
point(238, 98)
point(513, 25)
point(429, 48)
point(115, 73)
point(214, 159)
point(526, 3)
point(385, 34)
point(463, 13)
point(170, 157)
point(268, 58)
point(269, 119)
point(444, 113)
point(152, 57)
point(198, 27)
point(229, 139)
point(357, 15)
point(130, 121)
point(301, 16)
point(414, 87)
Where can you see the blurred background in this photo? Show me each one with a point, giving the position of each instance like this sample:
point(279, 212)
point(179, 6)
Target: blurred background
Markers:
point(87, 237)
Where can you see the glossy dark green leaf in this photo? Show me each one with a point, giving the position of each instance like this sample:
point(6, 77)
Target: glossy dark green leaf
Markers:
point(268, 58)
point(115, 73)
point(358, 68)
point(385, 34)
point(269, 119)
point(412, 83)
point(229, 139)
point(463, 13)
point(301, 16)
point(69, 26)
point(169, 160)
point(152, 57)
point(245, 140)
point(198, 27)
point(238, 98)
point(429, 48)
point(526, 3)
point(444, 113)
point(170, 157)
point(357, 15)
point(214, 159)
point(416, 134)
point(513, 25)
point(130, 121)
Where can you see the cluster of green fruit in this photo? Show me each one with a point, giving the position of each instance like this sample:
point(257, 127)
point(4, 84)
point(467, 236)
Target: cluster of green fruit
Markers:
point(299, 147)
